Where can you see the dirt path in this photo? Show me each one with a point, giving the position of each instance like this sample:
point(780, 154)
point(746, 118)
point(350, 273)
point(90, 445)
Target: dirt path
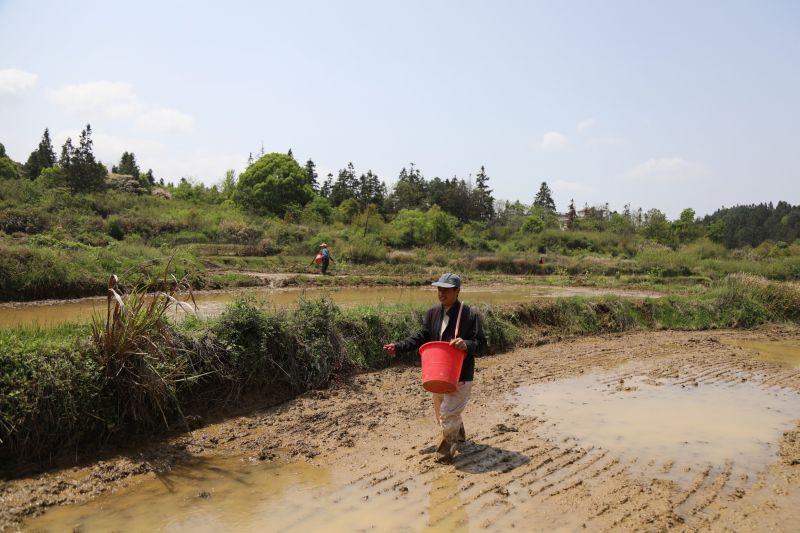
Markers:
point(512, 471)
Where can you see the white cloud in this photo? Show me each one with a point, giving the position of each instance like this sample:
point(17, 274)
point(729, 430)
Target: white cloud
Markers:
point(111, 99)
point(570, 186)
point(164, 120)
point(585, 125)
point(116, 100)
point(553, 141)
point(15, 81)
point(665, 169)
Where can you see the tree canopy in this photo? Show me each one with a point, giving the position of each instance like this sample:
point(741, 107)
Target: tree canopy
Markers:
point(41, 158)
point(272, 184)
point(544, 198)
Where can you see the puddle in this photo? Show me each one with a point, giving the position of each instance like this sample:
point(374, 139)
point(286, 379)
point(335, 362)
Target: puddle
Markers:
point(49, 313)
point(668, 431)
point(784, 352)
point(232, 495)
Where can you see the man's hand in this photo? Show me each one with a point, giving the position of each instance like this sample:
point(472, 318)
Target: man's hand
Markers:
point(390, 349)
point(459, 343)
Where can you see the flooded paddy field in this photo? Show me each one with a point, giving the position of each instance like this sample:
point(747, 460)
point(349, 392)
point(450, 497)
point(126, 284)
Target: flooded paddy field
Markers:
point(212, 303)
point(657, 430)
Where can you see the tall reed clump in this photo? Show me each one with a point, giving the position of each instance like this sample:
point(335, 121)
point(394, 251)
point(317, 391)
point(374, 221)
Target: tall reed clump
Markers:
point(281, 353)
point(747, 300)
point(140, 354)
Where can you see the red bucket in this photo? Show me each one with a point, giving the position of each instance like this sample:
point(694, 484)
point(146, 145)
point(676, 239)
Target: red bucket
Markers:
point(318, 259)
point(441, 366)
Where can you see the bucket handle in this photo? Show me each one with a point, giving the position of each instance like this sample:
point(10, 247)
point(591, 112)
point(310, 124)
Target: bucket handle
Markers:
point(458, 320)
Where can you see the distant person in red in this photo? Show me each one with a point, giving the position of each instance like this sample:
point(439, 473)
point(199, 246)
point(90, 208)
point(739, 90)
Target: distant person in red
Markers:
point(439, 324)
point(323, 257)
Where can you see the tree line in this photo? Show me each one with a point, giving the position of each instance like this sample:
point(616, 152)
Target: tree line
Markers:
point(275, 184)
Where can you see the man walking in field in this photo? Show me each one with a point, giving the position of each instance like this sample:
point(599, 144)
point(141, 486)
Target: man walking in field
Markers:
point(326, 257)
point(439, 324)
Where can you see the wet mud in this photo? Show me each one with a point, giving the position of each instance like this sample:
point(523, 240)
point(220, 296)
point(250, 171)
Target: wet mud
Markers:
point(349, 457)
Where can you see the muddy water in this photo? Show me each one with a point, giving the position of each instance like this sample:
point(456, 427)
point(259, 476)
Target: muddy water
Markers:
point(231, 495)
point(784, 352)
point(668, 429)
point(213, 303)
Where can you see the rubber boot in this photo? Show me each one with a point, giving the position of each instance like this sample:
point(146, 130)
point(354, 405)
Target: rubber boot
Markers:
point(445, 450)
point(442, 445)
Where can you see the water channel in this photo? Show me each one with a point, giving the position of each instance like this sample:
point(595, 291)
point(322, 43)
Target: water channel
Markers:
point(212, 303)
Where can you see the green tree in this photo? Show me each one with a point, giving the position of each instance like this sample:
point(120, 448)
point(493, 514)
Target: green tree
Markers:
point(318, 210)
point(544, 198)
point(8, 168)
point(621, 225)
point(685, 228)
point(532, 224)
point(441, 227)
point(327, 186)
point(272, 184)
point(41, 158)
point(229, 184)
point(345, 186)
point(82, 172)
point(311, 175)
point(512, 215)
point(483, 201)
point(127, 165)
point(572, 214)
point(371, 190)
point(656, 226)
point(410, 191)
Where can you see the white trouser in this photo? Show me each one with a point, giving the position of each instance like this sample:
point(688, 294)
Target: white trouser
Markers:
point(447, 409)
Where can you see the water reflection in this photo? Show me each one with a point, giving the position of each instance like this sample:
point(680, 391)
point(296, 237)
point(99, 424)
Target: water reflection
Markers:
point(676, 430)
point(446, 510)
point(213, 303)
point(784, 352)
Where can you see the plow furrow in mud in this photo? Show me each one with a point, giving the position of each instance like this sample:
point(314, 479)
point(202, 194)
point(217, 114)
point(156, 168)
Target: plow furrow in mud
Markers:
point(533, 470)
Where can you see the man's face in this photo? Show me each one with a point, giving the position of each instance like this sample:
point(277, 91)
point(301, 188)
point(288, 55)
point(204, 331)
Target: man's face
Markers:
point(448, 297)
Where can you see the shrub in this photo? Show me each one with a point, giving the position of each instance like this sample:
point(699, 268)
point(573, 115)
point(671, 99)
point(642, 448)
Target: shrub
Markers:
point(24, 220)
point(239, 232)
point(115, 229)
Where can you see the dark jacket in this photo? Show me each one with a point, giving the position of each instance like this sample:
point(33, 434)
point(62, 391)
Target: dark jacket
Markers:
point(471, 331)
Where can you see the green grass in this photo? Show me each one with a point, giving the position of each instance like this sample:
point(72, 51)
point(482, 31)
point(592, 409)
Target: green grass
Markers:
point(62, 392)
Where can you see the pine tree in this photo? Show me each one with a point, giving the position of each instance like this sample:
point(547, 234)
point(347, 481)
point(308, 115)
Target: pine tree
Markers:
point(67, 154)
point(346, 185)
point(289, 153)
point(127, 165)
point(544, 198)
point(83, 173)
point(371, 190)
point(572, 214)
point(410, 191)
point(41, 158)
point(311, 173)
point(327, 186)
point(249, 159)
point(482, 194)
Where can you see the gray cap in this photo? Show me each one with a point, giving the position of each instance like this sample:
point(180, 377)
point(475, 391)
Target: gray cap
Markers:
point(448, 281)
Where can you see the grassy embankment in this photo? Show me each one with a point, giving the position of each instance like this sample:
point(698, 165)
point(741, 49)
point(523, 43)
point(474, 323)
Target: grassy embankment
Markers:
point(65, 394)
point(56, 244)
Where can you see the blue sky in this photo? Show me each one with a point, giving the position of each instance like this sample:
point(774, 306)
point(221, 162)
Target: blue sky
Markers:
point(666, 105)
